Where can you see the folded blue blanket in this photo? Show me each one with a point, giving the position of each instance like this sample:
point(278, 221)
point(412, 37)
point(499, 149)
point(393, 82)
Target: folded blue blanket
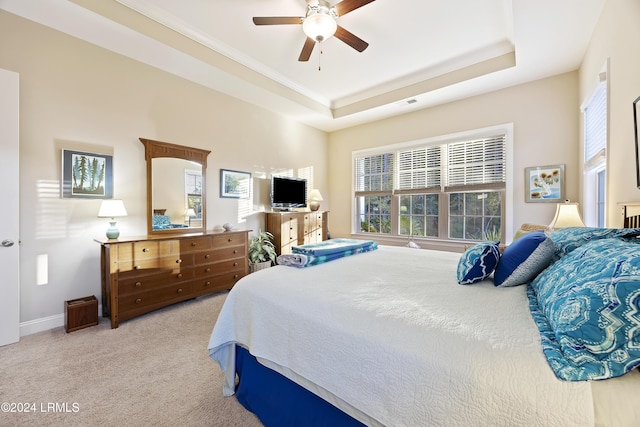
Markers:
point(303, 260)
point(331, 246)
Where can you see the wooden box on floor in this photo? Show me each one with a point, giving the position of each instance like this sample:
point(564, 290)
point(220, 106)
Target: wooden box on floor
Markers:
point(80, 313)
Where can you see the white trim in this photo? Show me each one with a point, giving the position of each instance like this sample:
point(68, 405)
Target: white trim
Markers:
point(45, 323)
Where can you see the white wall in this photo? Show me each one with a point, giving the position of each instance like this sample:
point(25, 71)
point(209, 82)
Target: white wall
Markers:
point(545, 118)
point(75, 95)
point(616, 39)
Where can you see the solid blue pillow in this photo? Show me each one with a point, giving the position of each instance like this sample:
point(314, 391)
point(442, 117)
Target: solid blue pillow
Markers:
point(478, 262)
point(524, 259)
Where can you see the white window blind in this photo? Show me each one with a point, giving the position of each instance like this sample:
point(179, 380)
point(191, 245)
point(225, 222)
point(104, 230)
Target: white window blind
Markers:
point(419, 168)
point(374, 173)
point(595, 127)
point(480, 162)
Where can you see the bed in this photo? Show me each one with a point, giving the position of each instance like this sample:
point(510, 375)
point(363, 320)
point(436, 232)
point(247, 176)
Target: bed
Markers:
point(389, 337)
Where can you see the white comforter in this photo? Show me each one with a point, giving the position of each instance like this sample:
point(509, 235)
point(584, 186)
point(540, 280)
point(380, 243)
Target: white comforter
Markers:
point(390, 333)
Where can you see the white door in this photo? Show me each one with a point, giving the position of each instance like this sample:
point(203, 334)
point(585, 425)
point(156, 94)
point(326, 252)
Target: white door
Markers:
point(9, 214)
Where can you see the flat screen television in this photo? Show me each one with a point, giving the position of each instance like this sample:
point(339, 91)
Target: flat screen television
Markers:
point(287, 192)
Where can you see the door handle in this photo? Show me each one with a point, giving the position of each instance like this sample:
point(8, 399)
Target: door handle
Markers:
point(7, 243)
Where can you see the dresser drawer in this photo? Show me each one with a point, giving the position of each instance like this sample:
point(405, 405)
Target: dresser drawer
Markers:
point(149, 282)
point(207, 257)
point(148, 249)
point(195, 244)
point(219, 267)
point(148, 265)
point(228, 240)
point(217, 283)
point(155, 296)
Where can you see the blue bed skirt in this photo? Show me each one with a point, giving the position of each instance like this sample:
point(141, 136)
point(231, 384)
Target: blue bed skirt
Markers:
point(278, 402)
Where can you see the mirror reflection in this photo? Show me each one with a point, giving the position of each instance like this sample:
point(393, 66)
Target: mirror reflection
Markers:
point(177, 194)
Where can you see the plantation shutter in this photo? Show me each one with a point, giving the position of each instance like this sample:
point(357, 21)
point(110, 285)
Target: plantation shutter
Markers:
point(477, 164)
point(374, 174)
point(595, 128)
point(419, 170)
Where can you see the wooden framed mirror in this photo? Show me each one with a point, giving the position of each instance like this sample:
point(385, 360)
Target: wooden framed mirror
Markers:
point(176, 188)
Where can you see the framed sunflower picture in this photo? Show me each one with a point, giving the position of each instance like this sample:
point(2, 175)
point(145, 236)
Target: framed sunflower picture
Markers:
point(544, 184)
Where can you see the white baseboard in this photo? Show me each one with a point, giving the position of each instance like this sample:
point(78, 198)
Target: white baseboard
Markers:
point(44, 323)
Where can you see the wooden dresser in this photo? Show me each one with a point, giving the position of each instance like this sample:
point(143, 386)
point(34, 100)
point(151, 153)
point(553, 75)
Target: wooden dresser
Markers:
point(296, 228)
point(143, 274)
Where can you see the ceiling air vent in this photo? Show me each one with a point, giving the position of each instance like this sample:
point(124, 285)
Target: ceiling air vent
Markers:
point(407, 102)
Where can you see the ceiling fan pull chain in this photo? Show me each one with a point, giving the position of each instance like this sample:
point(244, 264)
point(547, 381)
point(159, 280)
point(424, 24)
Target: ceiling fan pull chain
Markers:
point(320, 57)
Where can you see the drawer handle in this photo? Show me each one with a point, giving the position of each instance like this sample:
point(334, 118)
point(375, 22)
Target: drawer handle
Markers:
point(207, 256)
point(235, 251)
point(206, 270)
point(138, 284)
point(208, 284)
point(179, 275)
point(145, 249)
point(235, 276)
point(229, 240)
point(139, 300)
point(137, 267)
point(235, 264)
point(179, 290)
point(178, 261)
point(193, 244)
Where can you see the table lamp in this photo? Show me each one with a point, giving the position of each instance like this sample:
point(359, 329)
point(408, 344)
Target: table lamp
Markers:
point(567, 215)
point(314, 199)
point(189, 213)
point(111, 208)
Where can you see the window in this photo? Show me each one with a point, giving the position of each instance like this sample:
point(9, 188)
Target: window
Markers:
point(374, 183)
point(595, 154)
point(453, 190)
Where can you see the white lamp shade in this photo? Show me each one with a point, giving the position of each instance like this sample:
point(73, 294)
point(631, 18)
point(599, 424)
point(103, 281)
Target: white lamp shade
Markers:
point(319, 26)
point(567, 215)
point(315, 195)
point(190, 212)
point(111, 208)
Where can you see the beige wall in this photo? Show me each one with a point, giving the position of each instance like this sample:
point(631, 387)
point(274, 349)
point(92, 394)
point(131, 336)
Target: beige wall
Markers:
point(75, 95)
point(545, 118)
point(616, 40)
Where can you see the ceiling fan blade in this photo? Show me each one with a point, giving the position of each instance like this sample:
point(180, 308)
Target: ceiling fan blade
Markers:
point(277, 20)
point(346, 6)
point(351, 39)
point(307, 49)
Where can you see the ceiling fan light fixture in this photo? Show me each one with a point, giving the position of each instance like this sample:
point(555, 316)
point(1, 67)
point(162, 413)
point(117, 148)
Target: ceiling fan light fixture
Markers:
point(319, 24)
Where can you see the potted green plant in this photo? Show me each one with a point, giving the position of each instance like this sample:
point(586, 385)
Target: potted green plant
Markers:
point(262, 252)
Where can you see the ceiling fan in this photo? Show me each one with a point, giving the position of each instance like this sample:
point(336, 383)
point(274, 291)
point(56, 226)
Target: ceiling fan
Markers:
point(319, 24)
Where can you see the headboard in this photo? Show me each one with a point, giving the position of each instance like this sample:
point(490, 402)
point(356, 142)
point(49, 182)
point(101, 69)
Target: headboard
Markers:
point(631, 214)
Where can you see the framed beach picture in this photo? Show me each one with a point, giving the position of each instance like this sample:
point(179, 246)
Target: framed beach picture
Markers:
point(544, 183)
point(235, 184)
point(87, 175)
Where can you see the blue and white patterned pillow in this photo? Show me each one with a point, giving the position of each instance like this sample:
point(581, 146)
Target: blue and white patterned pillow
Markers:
point(524, 259)
point(568, 239)
point(587, 308)
point(478, 262)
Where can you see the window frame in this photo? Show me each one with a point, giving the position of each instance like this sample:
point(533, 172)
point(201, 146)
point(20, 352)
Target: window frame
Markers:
point(595, 167)
point(394, 237)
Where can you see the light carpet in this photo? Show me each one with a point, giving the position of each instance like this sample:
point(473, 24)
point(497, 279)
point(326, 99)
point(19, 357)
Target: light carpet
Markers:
point(153, 370)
